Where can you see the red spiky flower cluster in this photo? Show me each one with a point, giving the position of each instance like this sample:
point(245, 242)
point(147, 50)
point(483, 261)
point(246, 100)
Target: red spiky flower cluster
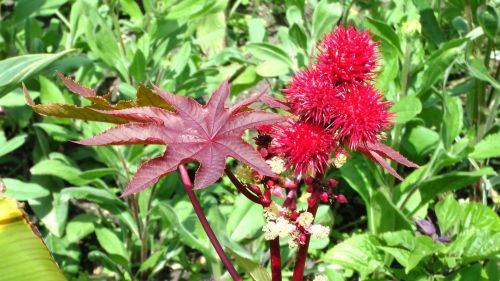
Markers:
point(306, 144)
point(336, 106)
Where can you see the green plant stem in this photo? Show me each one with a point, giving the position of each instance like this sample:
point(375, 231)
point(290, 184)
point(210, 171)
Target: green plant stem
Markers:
point(132, 204)
point(404, 89)
point(144, 236)
point(206, 226)
point(116, 27)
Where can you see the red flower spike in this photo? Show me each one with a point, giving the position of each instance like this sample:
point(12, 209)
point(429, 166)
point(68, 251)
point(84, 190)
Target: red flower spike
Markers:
point(341, 199)
point(311, 201)
point(302, 238)
point(307, 146)
point(255, 189)
point(277, 191)
point(361, 116)
point(348, 55)
point(309, 180)
point(263, 152)
point(324, 197)
point(266, 197)
point(290, 184)
point(312, 94)
point(332, 183)
point(207, 134)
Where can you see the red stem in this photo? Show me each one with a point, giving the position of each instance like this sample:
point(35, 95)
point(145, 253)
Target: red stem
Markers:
point(300, 261)
point(274, 244)
point(275, 259)
point(240, 186)
point(206, 226)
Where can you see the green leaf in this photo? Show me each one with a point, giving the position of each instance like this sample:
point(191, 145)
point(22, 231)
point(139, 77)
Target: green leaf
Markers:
point(53, 167)
point(211, 33)
point(52, 210)
point(479, 70)
point(356, 173)
point(452, 117)
point(359, 253)
point(80, 226)
point(49, 92)
point(385, 216)
point(256, 30)
point(246, 219)
point(272, 68)
point(424, 247)
point(181, 58)
point(24, 255)
point(185, 235)
point(247, 79)
point(438, 62)
point(384, 32)
point(480, 216)
point(113, 245)
point(17, 69)
point(138, 66)
point(324, 18)
point(153, 260)
point(255, 270)
point(130, 7)
point(406, 108)
point(268, 52)
point(57, 132)
point(23, 191)
point(489, 147)
point(401, 238)
point(448, 213)
point(473, 244)
point(298, 36)
point(451, 182)
point(488, 18)
point(419, 141)
point(470, 272)
point(106, 200)
point(7, 147)
point(102, 41)
point(430, 27)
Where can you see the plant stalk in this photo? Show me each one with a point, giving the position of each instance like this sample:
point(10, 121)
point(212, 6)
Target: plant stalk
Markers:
point(300, 260)
point(241, 187)
point(274, 246)
point(206, 226)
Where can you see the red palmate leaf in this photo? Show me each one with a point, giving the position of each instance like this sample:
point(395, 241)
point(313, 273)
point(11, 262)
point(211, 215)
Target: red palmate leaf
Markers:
point(389, 152)
point(145, 97)
point(378, 151)
point(207, 134)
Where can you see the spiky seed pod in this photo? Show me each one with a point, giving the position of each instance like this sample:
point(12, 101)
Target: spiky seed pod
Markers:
point(348, 55)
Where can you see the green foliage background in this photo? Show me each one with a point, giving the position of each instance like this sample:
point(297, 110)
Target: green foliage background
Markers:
point(440, 66)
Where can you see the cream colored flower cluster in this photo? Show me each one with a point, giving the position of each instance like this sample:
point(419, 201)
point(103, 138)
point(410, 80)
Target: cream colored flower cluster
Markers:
point(280, 225)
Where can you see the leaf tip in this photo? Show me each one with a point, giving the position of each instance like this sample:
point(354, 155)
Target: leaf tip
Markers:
point(27, 96)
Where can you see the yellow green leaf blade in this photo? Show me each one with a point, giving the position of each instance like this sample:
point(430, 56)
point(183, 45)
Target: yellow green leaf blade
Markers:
point(24, 255)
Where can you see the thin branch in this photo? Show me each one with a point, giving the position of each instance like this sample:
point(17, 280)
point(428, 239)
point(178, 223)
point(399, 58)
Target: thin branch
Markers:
point(206, 226)
point(241, 187)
